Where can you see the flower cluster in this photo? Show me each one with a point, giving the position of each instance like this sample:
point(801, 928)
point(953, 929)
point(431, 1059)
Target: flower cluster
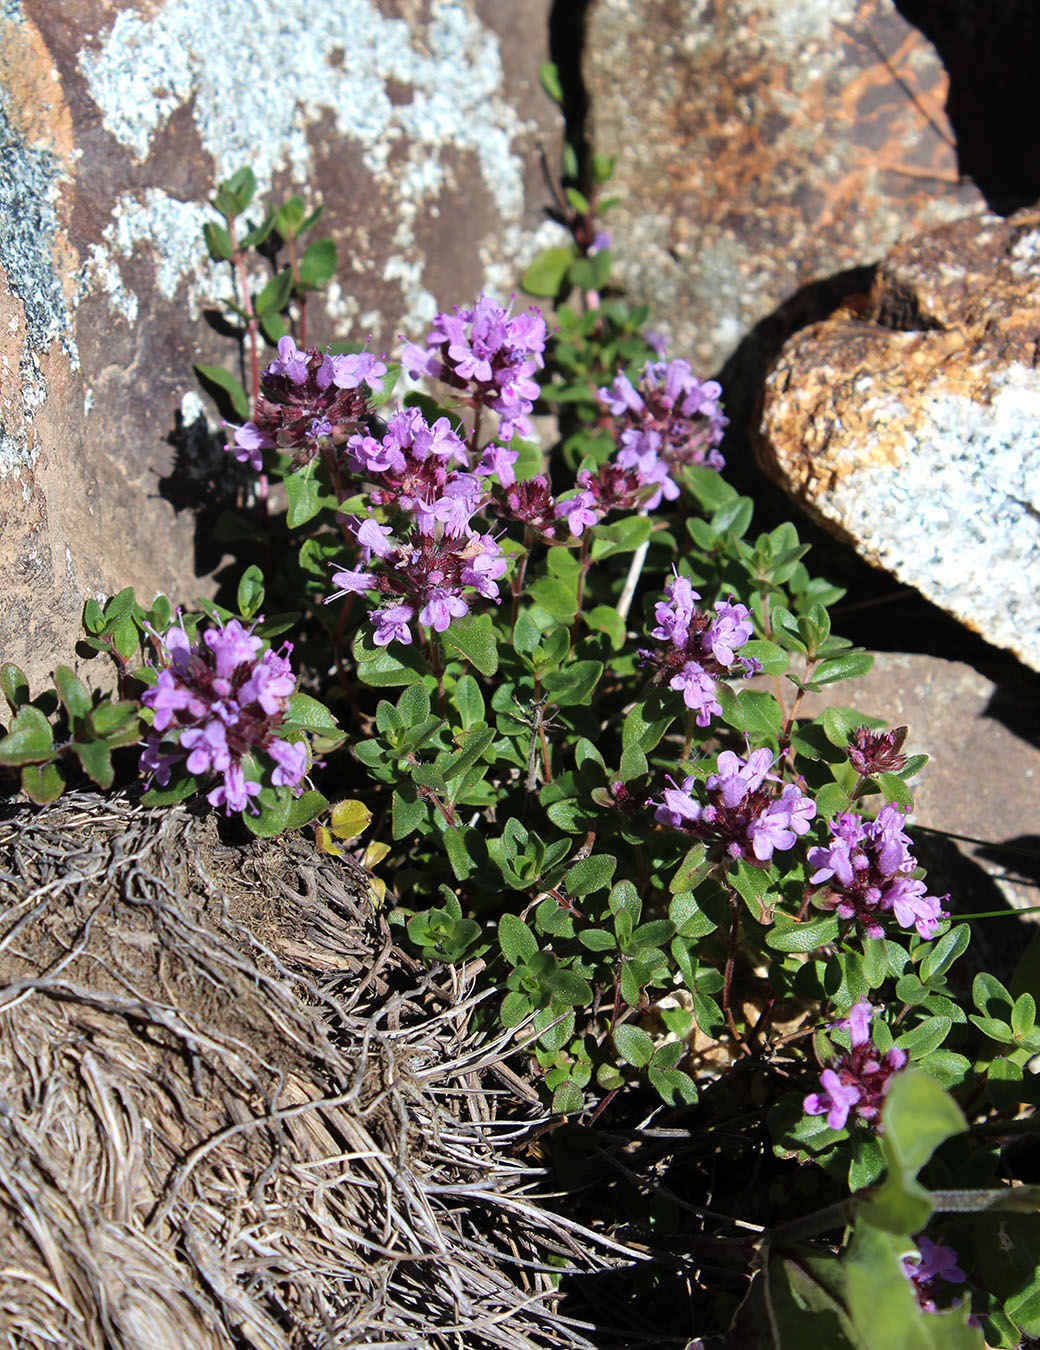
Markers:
point(699, 646)
point(747, 812)
point(877, 751)
point(221, 702)
point(859, 1078)
point(866, 869)
point(307, 396)
point(489, 353)
point(440, 555)
point(671, 419)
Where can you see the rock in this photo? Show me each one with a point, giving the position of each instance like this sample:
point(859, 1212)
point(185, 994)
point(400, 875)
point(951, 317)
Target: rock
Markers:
point(911, 430)
point(420, 135)
point(763, 145)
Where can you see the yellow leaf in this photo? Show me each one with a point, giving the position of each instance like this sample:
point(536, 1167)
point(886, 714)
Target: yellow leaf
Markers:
point(374, 854)
point(378, 890)
point(323, 842)
point(350, 818)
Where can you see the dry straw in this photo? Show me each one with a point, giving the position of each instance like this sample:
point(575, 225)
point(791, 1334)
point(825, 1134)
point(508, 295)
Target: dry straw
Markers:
point(233, 1114)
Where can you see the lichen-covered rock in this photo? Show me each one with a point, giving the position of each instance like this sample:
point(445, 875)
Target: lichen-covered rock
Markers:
point(912, 429)
point(763, 145)
point(416, 125)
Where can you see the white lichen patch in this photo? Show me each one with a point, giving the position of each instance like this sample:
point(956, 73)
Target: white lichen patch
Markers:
point(256, 100)
point(959, 516)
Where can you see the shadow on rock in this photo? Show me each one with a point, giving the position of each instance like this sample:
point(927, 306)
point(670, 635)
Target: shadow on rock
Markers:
point(991, 52)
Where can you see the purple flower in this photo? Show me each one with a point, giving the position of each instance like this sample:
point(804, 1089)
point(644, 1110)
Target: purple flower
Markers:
point(290, 363)
point(488, 353)
point(234, 792)
point(351, 583)
point(836, 1099)
point(374, 538)
point(930, 1271)
point(745, 813)
point(290, 757)
point(866, 869)
point(499, 461)
point(247, 443)
point(579, 512)
point(441, 607)
point(698, 647)
point(392, 624)
point(214, 705)
point(350, 371)
point(858, 1078)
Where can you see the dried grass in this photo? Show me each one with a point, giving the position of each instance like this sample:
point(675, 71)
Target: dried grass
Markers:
point(233, 1114)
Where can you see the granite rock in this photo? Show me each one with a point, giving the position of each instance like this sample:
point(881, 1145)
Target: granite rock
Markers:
point(763, 145)
point(416, 123)
point(910, 427)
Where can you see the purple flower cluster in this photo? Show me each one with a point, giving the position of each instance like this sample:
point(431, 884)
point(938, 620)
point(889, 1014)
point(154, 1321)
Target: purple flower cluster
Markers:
point(699, 647)
point(422, 474)
point(934, 1267)
point(219, 702)
point(866, 868)
point(748, 812)
point(859, 1078)
point(671, 419)
point(307, 396)
point(489, 353)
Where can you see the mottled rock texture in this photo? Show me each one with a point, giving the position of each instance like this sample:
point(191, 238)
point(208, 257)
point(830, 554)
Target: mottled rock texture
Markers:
point(416, 123)
point(763, 145)
point(912, 428)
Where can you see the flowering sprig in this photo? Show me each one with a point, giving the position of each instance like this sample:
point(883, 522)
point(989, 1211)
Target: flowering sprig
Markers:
point(857, 1079)
point(217, 704)
point(698, 647)
point(490, 356)
point(307, 396)
point(865, 871)
point(930, 1270)
point(749, 814)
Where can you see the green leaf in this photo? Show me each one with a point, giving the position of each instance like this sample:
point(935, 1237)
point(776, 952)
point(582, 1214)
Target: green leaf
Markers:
point(304, 809)
point(674, 1087)
point(634, 1045)
point(944, 952)
point(218, 241)
point(925, 1037)
point(549, 76)
point(603, 619)
point(289, 217)
point(918, 1115)
point(93, 619)
point(408, 813)
point(177, 791)
point(848, 666)
point(72, 692)
point(42, 783)
point(567, 1099)
point(96, 759)
point(625, 536)
point(802, 937)
point(469, 701)
point(250, 598)
point(597, 940)
point(275, 295)
point(589, 875)
point(557, 597)
point(472, 745)
point(474, 638)
point(573, 684)
point(273, 816)
point(29, 740)
point(544, 277)
point(304, 713)
point(318, 264)
point(515, 938)
point(380, 668)
point(258, 233)
point(306, 496)
point(769, 655)
point(224, 387)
